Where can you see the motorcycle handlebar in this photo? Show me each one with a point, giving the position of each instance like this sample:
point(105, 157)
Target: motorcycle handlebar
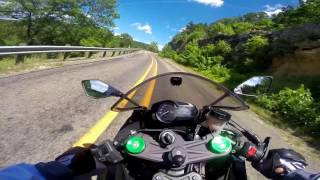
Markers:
point(108, 154)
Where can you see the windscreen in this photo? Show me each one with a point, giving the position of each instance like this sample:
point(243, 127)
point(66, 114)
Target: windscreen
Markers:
point(182, 87)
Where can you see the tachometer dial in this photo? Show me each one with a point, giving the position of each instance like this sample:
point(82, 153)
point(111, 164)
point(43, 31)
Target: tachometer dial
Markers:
point(166, 113)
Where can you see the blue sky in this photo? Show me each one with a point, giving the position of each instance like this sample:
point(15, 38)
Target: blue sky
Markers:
point(159, 20)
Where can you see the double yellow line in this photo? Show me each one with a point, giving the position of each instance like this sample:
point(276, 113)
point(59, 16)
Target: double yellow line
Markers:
point(96, 131)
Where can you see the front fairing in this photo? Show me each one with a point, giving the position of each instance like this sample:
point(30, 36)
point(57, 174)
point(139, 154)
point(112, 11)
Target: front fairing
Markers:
point(181, 87)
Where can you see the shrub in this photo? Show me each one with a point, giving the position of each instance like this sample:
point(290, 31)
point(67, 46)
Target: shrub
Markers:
point(295, 106)
point(255, 44)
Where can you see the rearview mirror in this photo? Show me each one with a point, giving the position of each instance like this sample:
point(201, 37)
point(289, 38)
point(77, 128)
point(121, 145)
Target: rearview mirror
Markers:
point(99, 89)
point(255, 86)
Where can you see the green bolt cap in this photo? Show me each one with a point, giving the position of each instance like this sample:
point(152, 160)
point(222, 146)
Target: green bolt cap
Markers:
point(220, 145)
point(135, 145)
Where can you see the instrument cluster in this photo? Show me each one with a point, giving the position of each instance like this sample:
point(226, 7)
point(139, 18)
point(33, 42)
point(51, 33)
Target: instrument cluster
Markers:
point(170, 112)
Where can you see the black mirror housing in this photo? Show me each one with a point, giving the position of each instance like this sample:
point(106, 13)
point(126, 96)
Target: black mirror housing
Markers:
point(98, 89)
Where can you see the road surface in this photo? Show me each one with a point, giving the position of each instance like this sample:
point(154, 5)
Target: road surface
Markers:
point(44, 113)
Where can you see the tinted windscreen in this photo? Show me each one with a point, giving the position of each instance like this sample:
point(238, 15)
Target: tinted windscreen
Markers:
point(179, 86)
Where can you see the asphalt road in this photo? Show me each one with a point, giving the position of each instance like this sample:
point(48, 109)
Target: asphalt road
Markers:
point(43, 113)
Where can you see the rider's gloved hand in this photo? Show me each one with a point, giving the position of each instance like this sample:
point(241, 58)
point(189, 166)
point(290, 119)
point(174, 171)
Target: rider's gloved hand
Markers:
point(280, 162)
point(79, 160)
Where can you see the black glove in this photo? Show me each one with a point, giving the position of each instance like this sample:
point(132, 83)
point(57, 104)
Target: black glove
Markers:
point(78, 159)
point(280, 162)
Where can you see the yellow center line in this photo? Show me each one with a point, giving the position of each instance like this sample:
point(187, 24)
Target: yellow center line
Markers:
point(123, 103)
point(95, 132)
point(148, 95)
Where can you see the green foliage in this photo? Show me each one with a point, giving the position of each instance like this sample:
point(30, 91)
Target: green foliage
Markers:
point(254, 44)
point(168, 52)
point(217, 72)
point(296, 106)
point(223, 48)
point(305, 14)
point(242, 27)
point(220, 28)
point(192, 55)
point(153, 47)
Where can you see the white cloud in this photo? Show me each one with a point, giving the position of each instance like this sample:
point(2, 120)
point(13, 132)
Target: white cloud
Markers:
point(143, 27)
point(117, 34)
point(160, 46)
point(273, 10)
point(212, 3)
point(115, 28)
point(182, 29)
point(2, 2)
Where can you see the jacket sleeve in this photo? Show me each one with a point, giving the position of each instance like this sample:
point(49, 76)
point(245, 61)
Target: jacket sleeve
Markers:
point(302, 175)
point(41, 171)
point(21, 171)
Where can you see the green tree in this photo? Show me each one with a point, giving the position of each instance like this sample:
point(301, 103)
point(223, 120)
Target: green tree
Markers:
point(220, 28)
point(254, 44)
point(102, 12)
point(222, 48)
point(51, 16)
point(153, 47)
point(242, 27)
point(306, 13)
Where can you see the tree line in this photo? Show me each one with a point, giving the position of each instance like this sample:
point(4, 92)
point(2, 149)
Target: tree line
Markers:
point(63, 22)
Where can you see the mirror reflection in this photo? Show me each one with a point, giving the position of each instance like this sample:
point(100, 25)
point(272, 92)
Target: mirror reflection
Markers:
point(99, 89)
point(257, 85)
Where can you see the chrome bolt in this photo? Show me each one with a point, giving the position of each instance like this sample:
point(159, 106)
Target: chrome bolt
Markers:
point(195, 177)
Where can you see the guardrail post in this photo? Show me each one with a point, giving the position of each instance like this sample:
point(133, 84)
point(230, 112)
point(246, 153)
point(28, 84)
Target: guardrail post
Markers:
point(52, 55)
point(19, 59)
point(66, 55)
point(90, 54)
point(104, 54)
point(113, 53)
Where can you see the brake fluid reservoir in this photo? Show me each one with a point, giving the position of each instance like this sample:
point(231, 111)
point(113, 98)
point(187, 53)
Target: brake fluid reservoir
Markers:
point(135, 145)
point(220, 145)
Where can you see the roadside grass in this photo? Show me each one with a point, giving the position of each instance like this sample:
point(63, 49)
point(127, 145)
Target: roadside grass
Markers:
point(40, 61)
point(299, 135)
point(7, 65)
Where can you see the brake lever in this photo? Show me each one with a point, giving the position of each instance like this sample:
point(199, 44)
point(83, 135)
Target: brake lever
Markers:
point(265, 146)
point(262, 149)
point(251, 137)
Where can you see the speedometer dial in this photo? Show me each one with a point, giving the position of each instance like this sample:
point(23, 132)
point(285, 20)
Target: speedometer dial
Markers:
point(166, 113)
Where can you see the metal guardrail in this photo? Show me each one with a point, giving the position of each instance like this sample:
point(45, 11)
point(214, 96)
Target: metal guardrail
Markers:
point(21, 51)
point(15, 50)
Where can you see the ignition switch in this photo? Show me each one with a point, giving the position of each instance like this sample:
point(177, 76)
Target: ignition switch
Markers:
point(167, 137)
